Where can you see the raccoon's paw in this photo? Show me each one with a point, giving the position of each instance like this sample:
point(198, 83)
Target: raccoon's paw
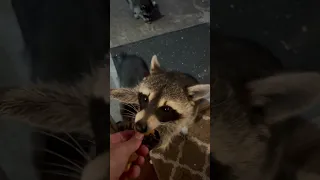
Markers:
point(147, 21)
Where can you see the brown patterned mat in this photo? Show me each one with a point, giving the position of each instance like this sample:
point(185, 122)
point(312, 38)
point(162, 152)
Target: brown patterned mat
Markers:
point(187, 158)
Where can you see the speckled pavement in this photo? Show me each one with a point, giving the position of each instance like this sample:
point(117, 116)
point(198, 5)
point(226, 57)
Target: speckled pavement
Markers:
point(177, 15)
point(186, 50)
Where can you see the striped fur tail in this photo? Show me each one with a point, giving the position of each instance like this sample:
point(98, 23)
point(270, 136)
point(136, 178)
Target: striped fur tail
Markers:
point(57, 107)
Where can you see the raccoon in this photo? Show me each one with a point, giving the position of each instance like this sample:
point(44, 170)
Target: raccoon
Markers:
point(169, 101)
point(147, 10)
point(82, 107)
point(257, 131)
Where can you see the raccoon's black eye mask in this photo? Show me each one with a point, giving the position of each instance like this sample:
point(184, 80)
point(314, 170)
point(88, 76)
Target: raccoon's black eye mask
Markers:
point(143, 100)
point(166, 114)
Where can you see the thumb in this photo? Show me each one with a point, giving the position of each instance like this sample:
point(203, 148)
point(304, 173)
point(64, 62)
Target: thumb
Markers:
point(134, 143)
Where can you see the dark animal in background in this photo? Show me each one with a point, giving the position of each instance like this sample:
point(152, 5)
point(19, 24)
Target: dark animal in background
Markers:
point(131, 69)
point(147, 10)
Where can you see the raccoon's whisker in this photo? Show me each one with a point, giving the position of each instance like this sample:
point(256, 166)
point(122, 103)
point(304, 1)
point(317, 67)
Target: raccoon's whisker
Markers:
point(61, 174)
point(65, 166)
point(89, 140)
point(128, 111)
point(78, 150)
point(133, 107)
point(84, 154)
point(64, 158)
point(166, 123)
point(128, 115)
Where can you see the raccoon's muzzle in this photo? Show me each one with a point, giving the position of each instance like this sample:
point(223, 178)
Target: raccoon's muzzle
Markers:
point(141, 127)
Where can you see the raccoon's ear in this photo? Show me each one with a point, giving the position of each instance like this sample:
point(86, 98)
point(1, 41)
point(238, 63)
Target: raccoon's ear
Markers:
point(285, 95)
point(198, 91)
point(155, 65)
point(53, 107)
point(125, 95)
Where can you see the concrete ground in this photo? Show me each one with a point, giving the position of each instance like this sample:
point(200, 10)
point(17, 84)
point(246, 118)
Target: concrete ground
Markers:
point(178, 14)
point(180, 38)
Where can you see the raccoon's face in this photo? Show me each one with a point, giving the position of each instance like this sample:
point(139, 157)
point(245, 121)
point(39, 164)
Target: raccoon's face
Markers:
point(147, 11)
point(162, 101)
point(168, 101)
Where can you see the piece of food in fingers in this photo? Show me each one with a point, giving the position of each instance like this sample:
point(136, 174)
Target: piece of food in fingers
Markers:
point(151, 139)
point(149, 132)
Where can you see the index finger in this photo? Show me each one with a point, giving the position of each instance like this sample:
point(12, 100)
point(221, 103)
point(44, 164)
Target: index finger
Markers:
point(121, 136)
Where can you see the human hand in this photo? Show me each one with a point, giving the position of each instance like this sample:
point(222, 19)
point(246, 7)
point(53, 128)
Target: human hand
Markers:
point(122, 146)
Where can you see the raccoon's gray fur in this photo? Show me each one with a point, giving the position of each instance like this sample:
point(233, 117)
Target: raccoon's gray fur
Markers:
point(66, 108)
point(256, 129)
point(168, 101)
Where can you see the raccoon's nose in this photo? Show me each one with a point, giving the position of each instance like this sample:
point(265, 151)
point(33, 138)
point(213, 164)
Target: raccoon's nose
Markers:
point(141, 127)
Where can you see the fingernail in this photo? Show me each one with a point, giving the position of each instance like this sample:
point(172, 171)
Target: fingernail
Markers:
point(138, 135)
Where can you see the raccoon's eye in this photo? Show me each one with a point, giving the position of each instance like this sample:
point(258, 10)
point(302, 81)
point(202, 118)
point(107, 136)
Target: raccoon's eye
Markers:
point(166, 108)
point(143, 100)
point(167, 114)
